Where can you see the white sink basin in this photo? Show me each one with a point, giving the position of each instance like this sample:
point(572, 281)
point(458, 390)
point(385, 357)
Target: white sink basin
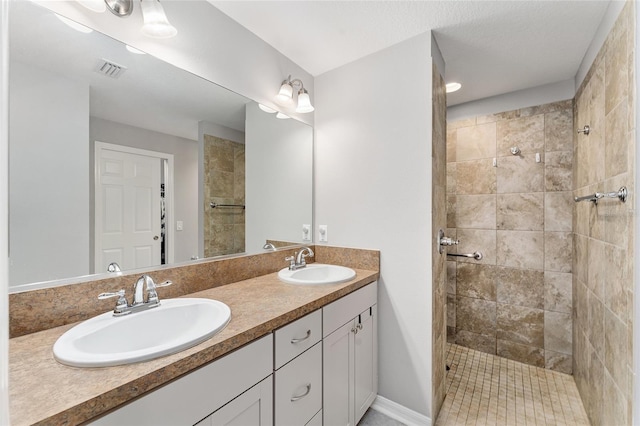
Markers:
point(317, 273)
point(175, 325)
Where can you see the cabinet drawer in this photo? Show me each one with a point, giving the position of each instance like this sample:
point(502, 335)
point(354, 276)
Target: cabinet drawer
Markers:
point(338, 313)
point(298, 388)
point(295, 338)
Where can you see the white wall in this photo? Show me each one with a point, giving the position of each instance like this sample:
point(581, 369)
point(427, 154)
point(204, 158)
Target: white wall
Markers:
point(209, 44)
point(373, 190)
point(49, 130)
point(279, 163)
point(185, 174)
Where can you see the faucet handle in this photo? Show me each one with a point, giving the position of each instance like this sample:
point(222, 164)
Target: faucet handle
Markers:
point(122, 301)
point(291, 260)
point(152, 295)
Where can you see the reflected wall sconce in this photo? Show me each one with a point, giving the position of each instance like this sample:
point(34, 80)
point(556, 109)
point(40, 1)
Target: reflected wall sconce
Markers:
point(156, 24)
point(285, 96)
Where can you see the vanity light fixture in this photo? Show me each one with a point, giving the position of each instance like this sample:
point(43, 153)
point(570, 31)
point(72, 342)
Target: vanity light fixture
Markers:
point(156, 23)
point(282, 116)
point(453, 87)
point(94, 5)
point(267, 109)
point(285, 96)
point(73, 24)
point(120, 8)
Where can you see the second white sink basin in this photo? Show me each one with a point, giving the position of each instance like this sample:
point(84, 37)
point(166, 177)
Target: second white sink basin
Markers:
point(317, 273)
point(175, 325)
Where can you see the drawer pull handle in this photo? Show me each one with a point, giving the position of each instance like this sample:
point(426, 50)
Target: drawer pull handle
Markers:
point(306, 392)
point(294, 341)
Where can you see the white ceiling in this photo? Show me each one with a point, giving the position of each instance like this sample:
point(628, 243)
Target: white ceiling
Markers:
point(491, 47)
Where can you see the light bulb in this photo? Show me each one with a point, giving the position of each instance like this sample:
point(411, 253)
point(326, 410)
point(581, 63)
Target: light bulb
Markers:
point(284, 96)
point(156, 23)
point(304, 102)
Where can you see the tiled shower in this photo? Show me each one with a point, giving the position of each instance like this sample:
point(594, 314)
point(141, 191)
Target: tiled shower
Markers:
point(555, 286)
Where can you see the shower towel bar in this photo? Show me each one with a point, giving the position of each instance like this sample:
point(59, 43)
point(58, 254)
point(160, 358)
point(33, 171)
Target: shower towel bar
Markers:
point(621, 194)
point(477, 255)
point(240, 206)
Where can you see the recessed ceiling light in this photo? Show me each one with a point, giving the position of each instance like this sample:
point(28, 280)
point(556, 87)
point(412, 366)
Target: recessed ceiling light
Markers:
point(453, 87)
point(73, 24)
point(134, 50)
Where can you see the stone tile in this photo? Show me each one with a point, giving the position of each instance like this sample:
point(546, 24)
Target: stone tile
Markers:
point(519, 174)
point(558, 167)
point(615, 409)
point(451, 277)
point(581, 302)
point(558, 248)
point(523, 211)
point(461, 123)
point(520, 287)
point(451, 178)
point(475, 315)
point(597, 215)
point(451, 210)
point(558, 332)
point(558, 292)
point(558, 130)
point(617, 215)
point(582, 213)
point(558, 362)
point(526, 133)
point(451, 310)
point(616, 280)
point(522, 353)
point(476, 280)
point(616, 149)
point(596, 268)
point(520, 324)
point(476, 177)
point(451, 334)
point(595, 324)
point(452, 137)
point(615, 348)
point(616, 84)
point(476, 211)
point(476, 142)
point(580, 258)
point(558, 207)
point(520, 249)
point(472, 240)
point(479, 342)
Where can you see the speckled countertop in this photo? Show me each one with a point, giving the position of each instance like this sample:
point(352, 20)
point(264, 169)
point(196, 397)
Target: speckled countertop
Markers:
point(42, 391)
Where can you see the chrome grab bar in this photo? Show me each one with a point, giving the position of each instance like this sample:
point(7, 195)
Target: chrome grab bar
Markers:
point(477, 255)
point(620, 194)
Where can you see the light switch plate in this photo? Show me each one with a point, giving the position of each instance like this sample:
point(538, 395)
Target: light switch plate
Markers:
point(322, 231)
point(179, 225)
point(306, 232)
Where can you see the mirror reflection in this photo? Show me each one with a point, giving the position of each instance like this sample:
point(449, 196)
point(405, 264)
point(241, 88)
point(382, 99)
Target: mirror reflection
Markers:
point(118, 157)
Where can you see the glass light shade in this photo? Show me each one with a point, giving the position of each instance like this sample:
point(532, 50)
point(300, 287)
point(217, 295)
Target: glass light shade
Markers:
point(304, 102)
point(284, 96)
point(95, 5)
point(453, 87)
point(282, 116)
point(156, 23)
point(266, 109)
point(73, 24)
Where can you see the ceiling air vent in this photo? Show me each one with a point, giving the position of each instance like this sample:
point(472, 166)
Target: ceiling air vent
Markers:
point(110, 69)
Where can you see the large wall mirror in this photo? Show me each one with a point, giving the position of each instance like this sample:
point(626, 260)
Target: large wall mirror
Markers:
point(116, 156)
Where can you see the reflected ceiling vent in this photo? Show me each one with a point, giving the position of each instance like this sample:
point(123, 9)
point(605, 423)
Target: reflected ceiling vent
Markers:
point(110, 69)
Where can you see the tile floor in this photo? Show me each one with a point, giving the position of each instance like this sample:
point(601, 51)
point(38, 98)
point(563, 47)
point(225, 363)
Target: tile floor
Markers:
point(484, 389)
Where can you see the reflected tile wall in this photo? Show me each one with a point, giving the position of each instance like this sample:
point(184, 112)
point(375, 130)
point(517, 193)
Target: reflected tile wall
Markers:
point(603, 234)
point(516, 302)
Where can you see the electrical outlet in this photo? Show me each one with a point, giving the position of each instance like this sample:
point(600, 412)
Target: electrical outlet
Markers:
point(306, 232)
point(322, 230)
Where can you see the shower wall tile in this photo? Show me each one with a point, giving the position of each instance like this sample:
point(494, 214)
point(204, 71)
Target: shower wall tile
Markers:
point(558, 332)
point(476, 315)
point(558, 362)
point(558, 247)
point(476, 211)
point(580, 257)
point(616, 409)
point(557, 170)
point(476, 280)
point(451, 178)
point(518, 352)
point(520, 249)
point(451, 210)
point(520, 324)
point(616, 65)
point(479, 342)
point(525, 133)
point(476, 142)
point(616, 144)
point(616, 281)
point(615, 348)
point(520, 287)
point(558, 130)
point(451, 277)
point(519, 174)
point(472, 240)
point(558, 211)
point(558, 292)
point(452, 136)
point(596, 268)
point(595, 319)
point(475, 177)
point(524, 211)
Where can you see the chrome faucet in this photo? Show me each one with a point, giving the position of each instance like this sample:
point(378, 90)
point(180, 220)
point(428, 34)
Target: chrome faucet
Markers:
point(297, 261)
point(143, 285)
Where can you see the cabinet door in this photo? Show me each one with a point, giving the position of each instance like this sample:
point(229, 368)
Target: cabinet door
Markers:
point(252, 408)
point(366, 361)
point(338, 377)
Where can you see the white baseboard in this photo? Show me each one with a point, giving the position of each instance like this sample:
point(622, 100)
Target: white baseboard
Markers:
point(399, 412)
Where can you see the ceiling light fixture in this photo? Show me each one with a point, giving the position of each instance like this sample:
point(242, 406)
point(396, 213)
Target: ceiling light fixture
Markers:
point(156, 23)
point(453, 87)
point(285, 96)
point(73, 24)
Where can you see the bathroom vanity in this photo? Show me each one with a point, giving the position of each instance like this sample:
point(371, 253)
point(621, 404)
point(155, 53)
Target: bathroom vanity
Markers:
point(285, 346)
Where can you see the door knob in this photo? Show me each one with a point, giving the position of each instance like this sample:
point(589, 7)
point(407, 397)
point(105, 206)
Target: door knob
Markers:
point(155, 238)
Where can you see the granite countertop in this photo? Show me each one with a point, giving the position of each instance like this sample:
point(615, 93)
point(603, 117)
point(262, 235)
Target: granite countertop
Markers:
point(43, 391)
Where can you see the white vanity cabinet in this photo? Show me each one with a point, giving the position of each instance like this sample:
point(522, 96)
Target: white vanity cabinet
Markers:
point(236, 388)
point(350, 360)
point(298, 371)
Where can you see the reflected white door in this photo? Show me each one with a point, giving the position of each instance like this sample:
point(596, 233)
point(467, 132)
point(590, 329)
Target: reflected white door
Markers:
point(127, 209)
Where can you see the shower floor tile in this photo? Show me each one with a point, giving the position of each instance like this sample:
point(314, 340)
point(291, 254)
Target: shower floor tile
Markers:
point(484, 389)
